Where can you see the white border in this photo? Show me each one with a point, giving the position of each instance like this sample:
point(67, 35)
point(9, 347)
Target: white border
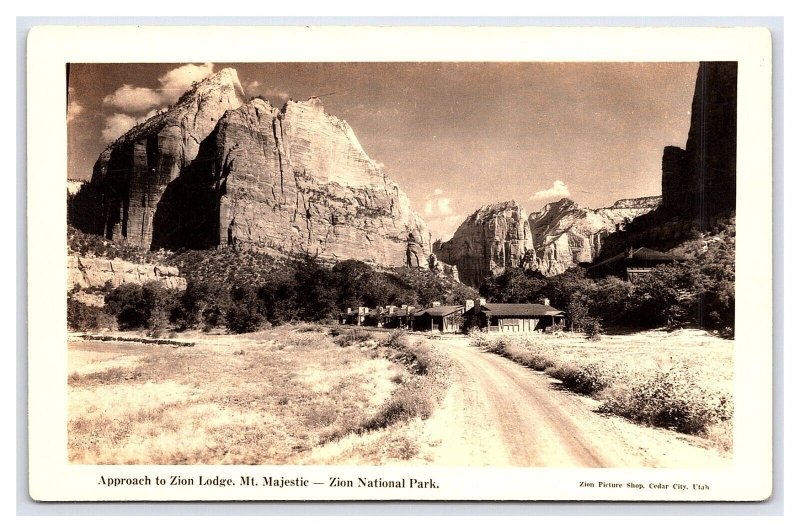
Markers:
point(50, 48)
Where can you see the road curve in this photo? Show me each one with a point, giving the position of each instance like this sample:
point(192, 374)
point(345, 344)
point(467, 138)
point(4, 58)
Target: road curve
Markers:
point(502, 414)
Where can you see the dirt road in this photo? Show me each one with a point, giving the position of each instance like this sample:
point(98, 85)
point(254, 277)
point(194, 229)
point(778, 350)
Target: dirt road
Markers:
point(501, 414)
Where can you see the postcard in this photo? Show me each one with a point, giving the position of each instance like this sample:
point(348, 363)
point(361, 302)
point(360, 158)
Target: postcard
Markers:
point(399, 263)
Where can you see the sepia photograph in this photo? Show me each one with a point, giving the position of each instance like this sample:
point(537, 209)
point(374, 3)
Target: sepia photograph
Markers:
point(512, 266)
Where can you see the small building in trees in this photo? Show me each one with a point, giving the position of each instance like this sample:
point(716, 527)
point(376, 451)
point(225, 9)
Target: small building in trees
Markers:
point(442, 318)
point(397, 317)
point(633, 263)
point(355, 316)
point(513, 317)
point(390, 316)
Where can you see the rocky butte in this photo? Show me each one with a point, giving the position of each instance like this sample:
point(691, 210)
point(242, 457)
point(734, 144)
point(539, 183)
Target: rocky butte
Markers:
point(491, 239)
point(131, 174)
point(215, 171)
point(566, 234)
point(561, 236)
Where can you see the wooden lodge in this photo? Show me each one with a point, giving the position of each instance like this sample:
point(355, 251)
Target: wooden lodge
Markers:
point(490, 317)
point(633, 263)
point(442, 318)
point(514, 317)
point(390, 316)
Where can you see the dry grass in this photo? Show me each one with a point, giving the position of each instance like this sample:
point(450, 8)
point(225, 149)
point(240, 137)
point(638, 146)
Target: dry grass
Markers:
point(681, 380)
point(272, 397)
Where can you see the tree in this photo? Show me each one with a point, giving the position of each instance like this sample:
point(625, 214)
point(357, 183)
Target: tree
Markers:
point(127, 303)
point(245, 313)
point(137, 306)
point(203, 303)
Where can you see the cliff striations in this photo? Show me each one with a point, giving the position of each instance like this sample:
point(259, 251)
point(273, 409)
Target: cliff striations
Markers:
point(214, 171)
point(294, 180)
point(132, 173)
point(493, 238)
point(698, 183)
point(95, 272)
point(566, 234)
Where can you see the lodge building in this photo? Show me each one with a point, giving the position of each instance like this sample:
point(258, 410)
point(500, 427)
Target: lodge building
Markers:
point(473, 314)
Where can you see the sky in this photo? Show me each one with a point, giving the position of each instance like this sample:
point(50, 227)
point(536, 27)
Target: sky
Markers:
point(454, 136)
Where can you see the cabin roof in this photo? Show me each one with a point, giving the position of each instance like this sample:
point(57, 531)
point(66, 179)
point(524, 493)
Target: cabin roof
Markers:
point(520, 309)
point(442, 310)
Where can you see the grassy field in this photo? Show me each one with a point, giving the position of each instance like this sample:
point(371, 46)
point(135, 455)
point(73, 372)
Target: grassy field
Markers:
point(681, 380)
point(288, 395)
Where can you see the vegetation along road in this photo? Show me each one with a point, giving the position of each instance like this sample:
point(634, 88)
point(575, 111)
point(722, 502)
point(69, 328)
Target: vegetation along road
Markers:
point(500, 413)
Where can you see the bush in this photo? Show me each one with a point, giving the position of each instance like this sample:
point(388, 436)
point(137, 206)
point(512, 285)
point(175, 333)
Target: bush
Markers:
point(586, 379)
point(397, 339)
point(593, 328)
point(347, 337)
point(141, 306)
point(669, 399)
point(204, 304)
point(407, 403)
point(83, 317)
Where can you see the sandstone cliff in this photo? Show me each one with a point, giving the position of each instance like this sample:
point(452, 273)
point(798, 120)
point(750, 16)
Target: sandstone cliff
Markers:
point(132, 173)
point(698, 183)
point(493, 238)
point(294, 180)
point(95, 272)
point(566, 234)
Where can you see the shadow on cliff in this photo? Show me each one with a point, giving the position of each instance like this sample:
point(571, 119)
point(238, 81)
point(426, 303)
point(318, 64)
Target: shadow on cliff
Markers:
point(698, 183)
point(188, 214)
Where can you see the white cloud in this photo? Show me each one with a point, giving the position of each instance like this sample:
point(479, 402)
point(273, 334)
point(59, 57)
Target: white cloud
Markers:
point(251, 88)
point(438, 206)
point(73, 110)
point(557, 191)
point(440, 216)
point(133, 99)
point(255, 88)
point(172, 85)
point(117, 125)
point(443, 228)
point(175, 82)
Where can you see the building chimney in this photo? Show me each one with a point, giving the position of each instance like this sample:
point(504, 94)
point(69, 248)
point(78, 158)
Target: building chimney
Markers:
point(545, 301)
point(349, 310)
point(479, 303)
point(436, 304)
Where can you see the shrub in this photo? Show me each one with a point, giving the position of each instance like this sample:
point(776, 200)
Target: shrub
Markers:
point(138, 306)
point(407, 403)
point(83, 317)
point(348, 337)
point(593, 328)
point(587, 379)
point(397, 339)
point(244, 314)
point(203, 304)
point(670, 399)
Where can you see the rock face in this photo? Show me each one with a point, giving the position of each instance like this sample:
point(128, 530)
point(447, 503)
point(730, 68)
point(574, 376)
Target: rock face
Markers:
point(699, 183)
point(132, 173)
point(94, 272)
point(493, 238)
point(294, 180)
point(566, 234)
point(562, 235)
